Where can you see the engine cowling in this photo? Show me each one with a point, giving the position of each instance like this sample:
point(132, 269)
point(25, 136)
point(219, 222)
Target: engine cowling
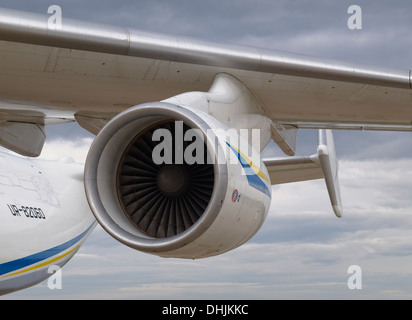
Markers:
point(180, 208)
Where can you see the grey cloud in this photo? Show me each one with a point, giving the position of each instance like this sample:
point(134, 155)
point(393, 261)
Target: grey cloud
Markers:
point(302, 251)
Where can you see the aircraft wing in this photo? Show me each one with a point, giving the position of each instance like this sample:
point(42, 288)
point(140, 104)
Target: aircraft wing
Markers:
point(90, 72)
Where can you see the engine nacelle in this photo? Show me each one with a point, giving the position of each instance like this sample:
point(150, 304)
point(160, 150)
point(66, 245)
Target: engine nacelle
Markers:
point(209, 199)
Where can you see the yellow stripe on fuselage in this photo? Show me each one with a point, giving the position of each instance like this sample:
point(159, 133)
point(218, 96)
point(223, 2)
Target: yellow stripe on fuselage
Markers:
point(42, 264)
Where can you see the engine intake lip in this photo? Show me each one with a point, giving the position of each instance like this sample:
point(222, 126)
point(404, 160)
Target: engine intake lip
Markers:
point(114, 221)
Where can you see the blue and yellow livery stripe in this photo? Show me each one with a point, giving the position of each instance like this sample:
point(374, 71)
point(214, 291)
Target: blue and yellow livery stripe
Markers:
point(41, 259)
point(254, 174)
point(38, 266)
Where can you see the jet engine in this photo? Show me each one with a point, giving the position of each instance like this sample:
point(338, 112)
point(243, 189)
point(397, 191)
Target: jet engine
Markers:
point(175, 182)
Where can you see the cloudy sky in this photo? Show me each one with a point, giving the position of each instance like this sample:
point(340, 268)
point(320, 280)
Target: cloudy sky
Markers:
point(303, 251)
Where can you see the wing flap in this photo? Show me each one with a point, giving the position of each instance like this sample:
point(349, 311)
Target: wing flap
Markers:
point(93, 123)
point(24, 138)
point(294, 169)
point(330, 167)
